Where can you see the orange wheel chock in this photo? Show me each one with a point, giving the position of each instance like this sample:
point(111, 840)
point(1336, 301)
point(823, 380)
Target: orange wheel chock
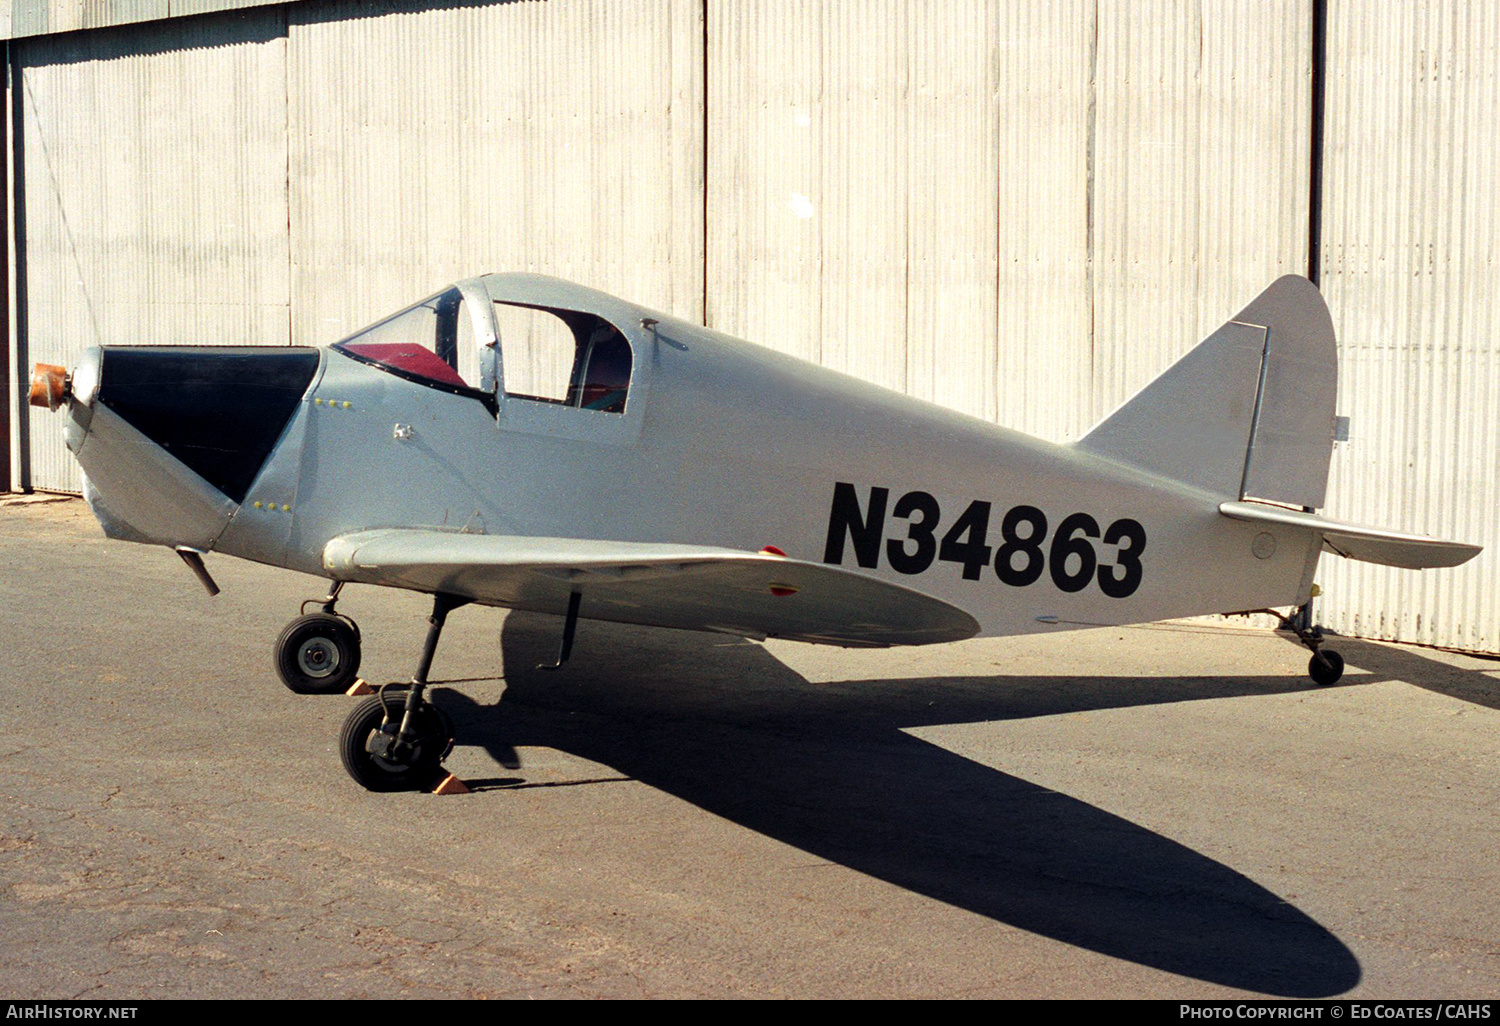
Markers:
point(450, 785)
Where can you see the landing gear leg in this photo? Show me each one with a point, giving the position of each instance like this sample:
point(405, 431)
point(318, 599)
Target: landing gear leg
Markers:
point(318, 653)
point(570, 625)
point(389, 747)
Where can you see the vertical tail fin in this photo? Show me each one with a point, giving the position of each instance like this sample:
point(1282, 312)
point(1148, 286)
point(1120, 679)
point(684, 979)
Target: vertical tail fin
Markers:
point(1248, 413)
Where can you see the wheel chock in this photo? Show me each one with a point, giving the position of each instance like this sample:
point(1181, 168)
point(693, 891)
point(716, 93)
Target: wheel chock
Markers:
point(360, 687)
point(450, 785)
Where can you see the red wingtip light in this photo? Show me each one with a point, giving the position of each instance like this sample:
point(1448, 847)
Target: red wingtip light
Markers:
point(782, 590)
point(772, 550)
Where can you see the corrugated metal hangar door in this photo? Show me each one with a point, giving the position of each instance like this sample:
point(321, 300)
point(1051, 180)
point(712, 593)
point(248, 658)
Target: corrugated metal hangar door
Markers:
point(153, 194)
point(290, 174)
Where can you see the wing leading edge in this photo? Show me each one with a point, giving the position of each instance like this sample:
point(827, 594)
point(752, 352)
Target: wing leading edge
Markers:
point(751, 594)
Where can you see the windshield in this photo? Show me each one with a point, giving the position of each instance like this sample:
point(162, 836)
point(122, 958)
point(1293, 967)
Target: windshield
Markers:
point(431, 343)
point(552, 355)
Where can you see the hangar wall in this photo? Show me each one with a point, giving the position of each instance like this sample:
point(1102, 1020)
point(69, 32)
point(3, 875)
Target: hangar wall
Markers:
point(563, 137)
point(1411, 270)
point(1021, 210)
point(183, 238)
point(270, 181)
point(1025, 211)
point(20, 18)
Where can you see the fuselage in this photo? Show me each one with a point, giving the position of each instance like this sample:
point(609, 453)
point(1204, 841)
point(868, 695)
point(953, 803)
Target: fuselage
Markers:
point(719, 443)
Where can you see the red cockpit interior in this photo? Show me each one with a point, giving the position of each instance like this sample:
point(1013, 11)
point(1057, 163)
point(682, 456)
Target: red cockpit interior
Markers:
point(408, 357)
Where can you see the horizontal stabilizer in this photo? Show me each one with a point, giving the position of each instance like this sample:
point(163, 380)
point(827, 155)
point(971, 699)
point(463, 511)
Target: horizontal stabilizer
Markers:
point(751, 594)
point(1370, 544)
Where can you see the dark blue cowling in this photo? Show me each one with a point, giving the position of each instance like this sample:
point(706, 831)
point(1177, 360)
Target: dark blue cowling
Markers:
point(220, 410)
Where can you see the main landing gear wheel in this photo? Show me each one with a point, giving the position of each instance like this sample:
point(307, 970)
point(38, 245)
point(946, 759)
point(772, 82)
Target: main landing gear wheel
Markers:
point(392, 743)
point(1327, 673)
point(376, 755)
point(318, 654)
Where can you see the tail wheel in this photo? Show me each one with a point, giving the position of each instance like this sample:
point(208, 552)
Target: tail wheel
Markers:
point(1322, 674)
point(318, 654)
point(365, 744)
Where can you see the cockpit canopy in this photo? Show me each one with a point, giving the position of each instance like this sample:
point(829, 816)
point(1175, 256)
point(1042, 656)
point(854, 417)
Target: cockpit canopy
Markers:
point(454, 340)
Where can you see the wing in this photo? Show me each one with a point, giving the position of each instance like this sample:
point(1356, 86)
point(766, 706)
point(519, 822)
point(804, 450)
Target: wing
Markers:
point(751, 594)
point(1371, 544)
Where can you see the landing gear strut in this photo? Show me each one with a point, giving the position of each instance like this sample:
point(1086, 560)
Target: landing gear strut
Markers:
point(318, 653)
point(570, 625)
point(1326, 666)
point(392, 743)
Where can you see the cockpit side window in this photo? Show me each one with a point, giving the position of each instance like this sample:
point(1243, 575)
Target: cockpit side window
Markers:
point(563, 357)
point(431, 343)
point(604, 371)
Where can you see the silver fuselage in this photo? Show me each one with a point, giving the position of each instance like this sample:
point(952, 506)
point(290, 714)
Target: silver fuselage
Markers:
point(721, 443)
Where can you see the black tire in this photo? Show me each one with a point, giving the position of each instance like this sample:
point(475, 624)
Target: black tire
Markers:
point(434, 738)
point(318, 654)
point(1326, 675)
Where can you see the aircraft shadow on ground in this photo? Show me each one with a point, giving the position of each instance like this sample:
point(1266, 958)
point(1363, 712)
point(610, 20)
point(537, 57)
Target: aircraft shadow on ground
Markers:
point(827, 768)
point(1386, 662)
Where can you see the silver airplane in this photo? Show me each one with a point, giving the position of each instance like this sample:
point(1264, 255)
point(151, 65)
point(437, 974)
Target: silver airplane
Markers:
point(614, 463)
